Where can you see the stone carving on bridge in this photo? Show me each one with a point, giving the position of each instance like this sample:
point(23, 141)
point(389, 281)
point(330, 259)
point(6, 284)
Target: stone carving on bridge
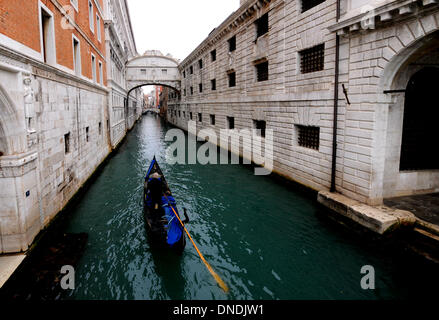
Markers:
point(153, 68)
point(29, 110)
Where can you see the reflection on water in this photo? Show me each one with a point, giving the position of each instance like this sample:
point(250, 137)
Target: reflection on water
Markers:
point(265, 241)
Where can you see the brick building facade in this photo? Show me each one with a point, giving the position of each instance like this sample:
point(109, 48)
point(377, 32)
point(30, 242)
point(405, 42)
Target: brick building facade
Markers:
point(54, 112)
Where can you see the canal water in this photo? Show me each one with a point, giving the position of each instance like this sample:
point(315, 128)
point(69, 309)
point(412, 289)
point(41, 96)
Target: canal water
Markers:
point(265, 239)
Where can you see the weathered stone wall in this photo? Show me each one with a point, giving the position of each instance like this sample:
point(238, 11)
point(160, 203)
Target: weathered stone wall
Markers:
point(38, 176)
point(371, 61)
point(287, 99)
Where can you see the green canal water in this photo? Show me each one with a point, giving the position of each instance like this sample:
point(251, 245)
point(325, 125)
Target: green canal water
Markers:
point(266, 240)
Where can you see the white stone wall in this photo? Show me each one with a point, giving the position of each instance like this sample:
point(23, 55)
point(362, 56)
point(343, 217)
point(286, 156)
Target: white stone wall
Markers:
point(369, 128)
point(287, 99)
point(37, 176)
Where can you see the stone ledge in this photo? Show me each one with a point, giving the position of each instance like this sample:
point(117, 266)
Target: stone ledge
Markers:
point(379, 219)
point(8, 264)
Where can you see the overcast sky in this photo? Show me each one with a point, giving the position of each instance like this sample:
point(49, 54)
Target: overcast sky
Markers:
point(176, 26)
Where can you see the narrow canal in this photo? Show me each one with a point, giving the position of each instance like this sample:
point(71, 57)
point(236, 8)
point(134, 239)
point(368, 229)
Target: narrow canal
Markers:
point(266, 240)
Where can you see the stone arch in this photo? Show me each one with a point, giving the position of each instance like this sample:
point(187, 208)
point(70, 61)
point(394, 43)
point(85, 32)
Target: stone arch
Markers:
point(408, 52)
point(402, 67)
point(10, 140)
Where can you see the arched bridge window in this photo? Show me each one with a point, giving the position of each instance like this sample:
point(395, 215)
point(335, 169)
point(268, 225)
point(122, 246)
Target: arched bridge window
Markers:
point(420, 135)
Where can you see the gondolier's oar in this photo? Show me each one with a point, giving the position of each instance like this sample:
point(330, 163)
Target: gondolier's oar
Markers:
point(220, 281)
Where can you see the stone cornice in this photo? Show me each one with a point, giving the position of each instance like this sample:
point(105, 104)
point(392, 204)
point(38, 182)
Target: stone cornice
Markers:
point(352, 22)
point(236, 19)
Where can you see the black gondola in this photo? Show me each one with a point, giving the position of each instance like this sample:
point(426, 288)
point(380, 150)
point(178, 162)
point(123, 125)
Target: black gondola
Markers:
point(162, 224)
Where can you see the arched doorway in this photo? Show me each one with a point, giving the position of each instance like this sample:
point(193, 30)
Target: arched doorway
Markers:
point(420, 134)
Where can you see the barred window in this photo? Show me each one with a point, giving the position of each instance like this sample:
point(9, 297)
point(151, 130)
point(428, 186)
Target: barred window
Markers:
point(308, 4)
point(230, 123)
point(67, 143)
point(262, 25)
point(232, 44)
point(260, 126)
point(312, 59)
point(232, 79)
point(308, 136)
point(262, 71)
point(213, 84)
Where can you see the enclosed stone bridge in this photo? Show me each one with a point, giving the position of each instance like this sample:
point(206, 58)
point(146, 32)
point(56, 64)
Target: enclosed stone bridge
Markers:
point(153, 68)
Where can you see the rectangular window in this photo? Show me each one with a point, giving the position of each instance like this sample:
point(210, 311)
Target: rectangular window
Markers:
point(74, 4)
point(47, 37)
point(192, 90)
point(101, 74)
point(262, 71)
point(232, 44)
point(67, 143)
point(179, 113)
point(93, 68)
point(87, 135)
point(259, 125)
point(164, 71)
point(230, 123)
point(213, 55)
point(212, 119)
point(76, 57)
point(100, 128)
point(262, 25)
point(200, 63)
point(308, 4)
point(308, 136)
point(98, 26)
point(90, 16)
point(191, 70)
point(200, 87)
point(184, 92)
point(232, 79)
point(184, 74)
point(190, 115)
point(200, 117)
point(312, 59)
point(184, 114)
point(213, 84)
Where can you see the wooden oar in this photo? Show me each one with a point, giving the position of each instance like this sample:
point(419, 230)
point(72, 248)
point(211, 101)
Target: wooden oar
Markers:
point(220, 281)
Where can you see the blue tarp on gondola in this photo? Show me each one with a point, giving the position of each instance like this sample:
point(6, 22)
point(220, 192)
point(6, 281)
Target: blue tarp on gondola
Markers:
point(174, 227)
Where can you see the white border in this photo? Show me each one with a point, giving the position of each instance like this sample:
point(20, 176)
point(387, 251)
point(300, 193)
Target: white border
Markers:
point(91, 17)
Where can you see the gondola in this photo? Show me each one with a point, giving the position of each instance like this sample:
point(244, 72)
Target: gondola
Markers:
point(163, 227)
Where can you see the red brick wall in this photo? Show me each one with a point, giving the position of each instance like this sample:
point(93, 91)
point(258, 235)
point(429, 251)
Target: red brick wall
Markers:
point(19, 20)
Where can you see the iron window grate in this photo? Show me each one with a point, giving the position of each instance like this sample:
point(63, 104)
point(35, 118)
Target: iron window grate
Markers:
point(232, 43)
point(308, 4)
point(262, 25)
point(230, 123)
point(260, 126)
point(232, 79)
point(312, 59)
point(309, 137)
point(262, 71)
